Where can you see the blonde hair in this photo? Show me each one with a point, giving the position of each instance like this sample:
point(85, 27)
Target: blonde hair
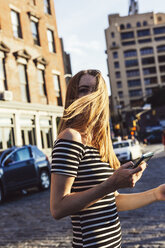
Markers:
point(90, 115)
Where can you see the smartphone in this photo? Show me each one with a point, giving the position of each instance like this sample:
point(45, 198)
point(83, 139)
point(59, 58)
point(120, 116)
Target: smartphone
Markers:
point(145, 157)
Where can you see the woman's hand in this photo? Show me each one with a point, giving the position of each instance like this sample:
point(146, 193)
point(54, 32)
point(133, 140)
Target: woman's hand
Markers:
point(160, 193)
point(126, 177)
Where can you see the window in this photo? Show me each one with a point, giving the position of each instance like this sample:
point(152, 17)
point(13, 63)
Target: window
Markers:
point(135, 103)
point(20, 155)
point(57, 88)
point(51, 43)
point(112, 34)
point(119, 84)
point(161, 58)
point(159, 18)
point(144, 41)
point(162, 68)
point(145, 23)
point(113, 43)
point(161, 49)
point(15, 20)
point(6, 132)
point(130, 53)
point(148, 91)
point(2, 75)
point(46, 133)
point(149, 81)
point(143, 32)
point(128, 43)
point(117, 74)
point(23, 83)
point(122, 26)
point(134, 93)
point(47, 6)
point(132, 73)
point(127, 35)
point(149, 70)
point(146, 50)
point(41, 81)
point(131, 62)
point(134, 83)
point(138, 24)
point(35, 33)
point(149, 60)
point(115, 55)
point(160, 30)
point(128, 25)
point(120, 94)
point(163, 79)
point(159, 38)
point(116, 64)
point(28, 132)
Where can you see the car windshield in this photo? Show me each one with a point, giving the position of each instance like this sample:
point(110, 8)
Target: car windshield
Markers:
point(121, 145)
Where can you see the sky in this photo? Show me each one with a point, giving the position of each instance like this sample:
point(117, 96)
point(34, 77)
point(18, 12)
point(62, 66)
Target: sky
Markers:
point(82, 24)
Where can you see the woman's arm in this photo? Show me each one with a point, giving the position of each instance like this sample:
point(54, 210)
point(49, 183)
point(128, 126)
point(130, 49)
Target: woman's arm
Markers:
point(64, 203)
point(127, 202)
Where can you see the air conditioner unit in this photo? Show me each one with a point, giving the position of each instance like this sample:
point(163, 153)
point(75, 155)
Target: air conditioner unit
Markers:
point(6, 95)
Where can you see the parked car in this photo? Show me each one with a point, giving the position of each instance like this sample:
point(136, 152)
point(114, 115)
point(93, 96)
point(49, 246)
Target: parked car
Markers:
point(127, 150)
point(154, 138)
point(22, 168)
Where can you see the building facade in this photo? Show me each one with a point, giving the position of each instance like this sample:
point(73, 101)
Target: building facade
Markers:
point(136, 58)
point(32, 82)
point(67, 63)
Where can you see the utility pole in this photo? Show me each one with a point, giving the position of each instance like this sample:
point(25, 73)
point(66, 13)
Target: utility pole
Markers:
point(133, 7)
point(120, 120)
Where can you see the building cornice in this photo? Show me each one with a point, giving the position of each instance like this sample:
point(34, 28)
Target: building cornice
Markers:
point(31, 107)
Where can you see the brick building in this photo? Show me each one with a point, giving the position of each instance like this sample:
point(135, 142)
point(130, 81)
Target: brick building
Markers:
point(32, 82)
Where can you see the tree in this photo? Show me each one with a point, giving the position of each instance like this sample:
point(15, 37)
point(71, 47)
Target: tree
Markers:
point(158, 98)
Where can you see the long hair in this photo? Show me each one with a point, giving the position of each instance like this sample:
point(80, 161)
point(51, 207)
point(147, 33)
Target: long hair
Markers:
point(90, 115)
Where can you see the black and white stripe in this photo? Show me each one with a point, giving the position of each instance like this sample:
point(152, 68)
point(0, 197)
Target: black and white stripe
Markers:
point(97, 226)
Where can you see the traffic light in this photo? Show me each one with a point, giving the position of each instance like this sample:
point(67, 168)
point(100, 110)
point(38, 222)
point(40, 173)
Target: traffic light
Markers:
point(134, 123)
point(133, 128)
point(117, 126)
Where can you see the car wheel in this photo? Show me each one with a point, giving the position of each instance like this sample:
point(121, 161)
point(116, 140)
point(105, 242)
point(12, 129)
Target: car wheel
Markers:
point(44, 180)
point(1, 194)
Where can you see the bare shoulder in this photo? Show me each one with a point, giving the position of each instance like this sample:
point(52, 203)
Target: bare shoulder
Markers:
point(70, 134)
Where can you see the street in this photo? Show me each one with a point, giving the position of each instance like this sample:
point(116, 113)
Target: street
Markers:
point(26, 222)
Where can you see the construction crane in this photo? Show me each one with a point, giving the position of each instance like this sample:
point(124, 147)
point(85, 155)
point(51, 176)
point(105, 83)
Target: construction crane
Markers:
point(133, 7)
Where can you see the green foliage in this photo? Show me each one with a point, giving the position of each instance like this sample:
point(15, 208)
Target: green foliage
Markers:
point(158, 98)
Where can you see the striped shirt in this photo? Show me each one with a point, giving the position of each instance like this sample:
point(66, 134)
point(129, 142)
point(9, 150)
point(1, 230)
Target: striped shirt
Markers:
point(98, 225)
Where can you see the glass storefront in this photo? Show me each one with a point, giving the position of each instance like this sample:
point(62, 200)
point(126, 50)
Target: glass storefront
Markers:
point(6, 132)
point(46, 133)
point(28, 131)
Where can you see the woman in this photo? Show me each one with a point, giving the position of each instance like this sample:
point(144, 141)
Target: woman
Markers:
point(86, 174)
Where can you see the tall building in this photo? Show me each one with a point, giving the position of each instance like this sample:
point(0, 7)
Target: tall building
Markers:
point(67, 63)
point(136, 58)
point(32, 82)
